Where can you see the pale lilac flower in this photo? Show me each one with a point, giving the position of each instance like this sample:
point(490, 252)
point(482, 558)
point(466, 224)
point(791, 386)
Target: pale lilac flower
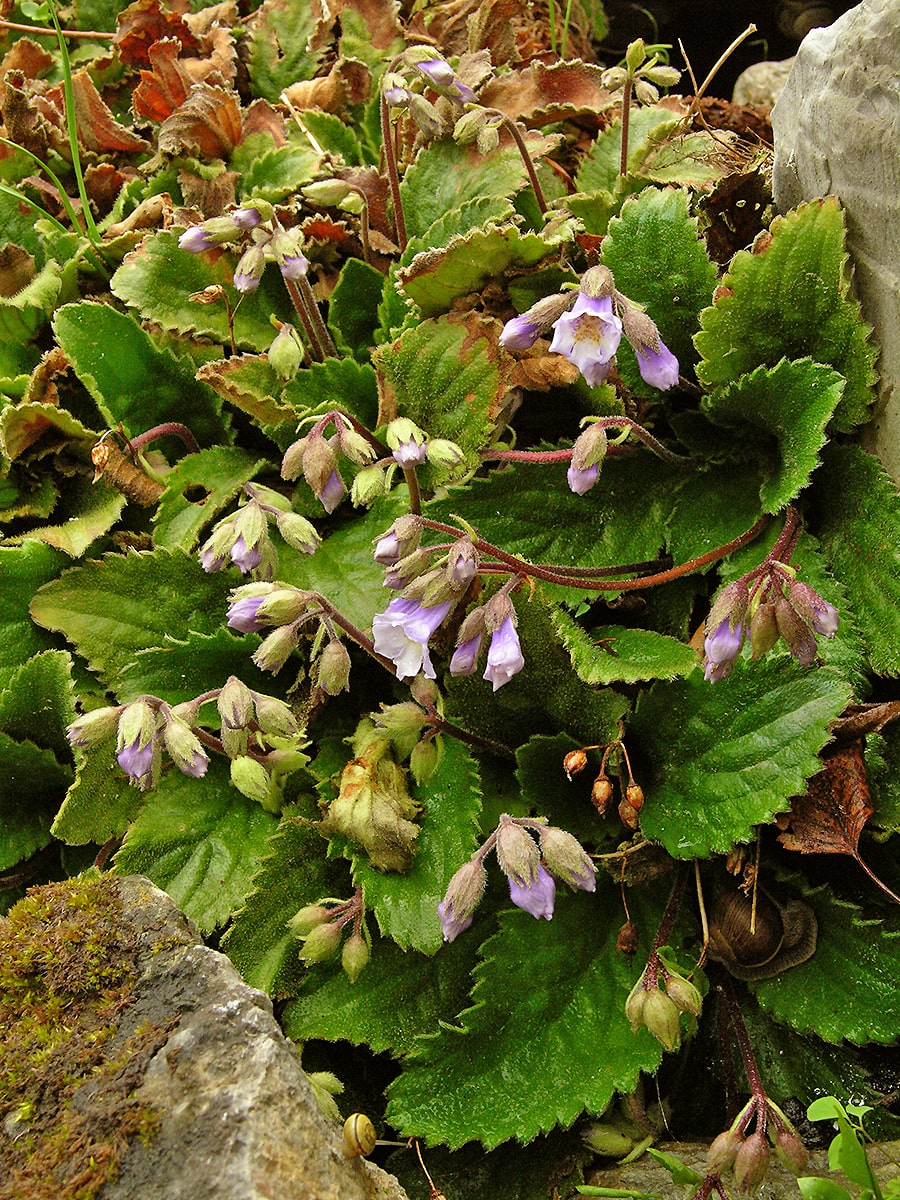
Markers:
point(437, 71)
point(246, 218)
point(246, 282)
point(463, 93)
point(293, 266)
point(505, 657)
point(520, 333)
point(721, 648)
point(209, 560)
point(136, 760)
point(808, 604)
point(387, 550)
point(452, 925)
point(401, 634)
point(659, 367)
point(464, 893)
point(195, 240)
point(395, 95)
point(536, 898)
point(825, 619)
point(581, 481)
point(465, 657)
point(242, 614)
point(332, 492)
point(588, 336)
point(410, 453)
point(245, 558)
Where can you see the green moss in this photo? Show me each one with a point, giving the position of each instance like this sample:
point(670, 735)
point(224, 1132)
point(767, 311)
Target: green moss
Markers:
point(68, 965)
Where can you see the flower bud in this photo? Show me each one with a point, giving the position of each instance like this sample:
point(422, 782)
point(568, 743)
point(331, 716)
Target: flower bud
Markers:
point(751, 1162)
point(321, 943)
point(597, 282)
point(722, 1151)
point(635, 55)
point(608, 1140)
point(329, 192)
point(185, 748)
point(425, 691)
point(574, 763)
point(634, 1005)
point(463, 895)
point(354, 956)
point(319, 463)
point(601, 794)
point(354, 446)
point(810, 606)
point(644, 92)
point(94, 727)
point(334, 668)
point(276, 648)
point(425, 115)
point(791, 1152)
point(286, 353)
point(444, 454)
point(628, 815)
point(567, 859)
point(404, 724)
point(684, 995)
point(249, 270)
point(235, 704)
point(425, 759)
point(292, 462)
point(661, 1017)
point(274, 717)
point(299, 533)
point(368, 486)
point(763, 629)
point(516, 852)
point(306, 919)
point(462, 563)
point(282, 605)
point(800, 639)
point(253, 781)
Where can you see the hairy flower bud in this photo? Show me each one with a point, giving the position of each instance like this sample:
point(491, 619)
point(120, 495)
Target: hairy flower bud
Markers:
point(425, 759)
point(791, 1152)
point(634, 1005)
point(763, 629)
point(286, 352)
point(334, 668)
point(306, 919)
point(517, 852)
point(607, 1139)
point(276, 648)
point(94, 727)
point(354, 956)
point(462, 897)
point(567, 859)
point(185, 748)
point(660, 1016)
point(321, 943)
point(684, 995)
point(368, 486)
point(252, 780)
point(751, 1162)
point(235, 703)
point(462, 563)
point(444, 454)
point(722, 1151)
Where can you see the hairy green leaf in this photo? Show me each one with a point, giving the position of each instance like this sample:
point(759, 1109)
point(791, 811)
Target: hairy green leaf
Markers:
point(716, 759)
point(36, 705)
point(85, 513)
point(213, 478)
point(600, 168)
point(101, 803)
point(23, 570)
point(780, 413)
point(859, 511)
point(200, 842)
point(279, 34)
point(353, 306)
point(183, 668)
point(32, 784)
point(791, 299)
point(612, 653)
point(271, 172)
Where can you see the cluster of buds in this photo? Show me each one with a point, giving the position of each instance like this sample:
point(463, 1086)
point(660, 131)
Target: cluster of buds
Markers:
point(411, 728)
point(283, 610)
point(143, 729)
point(243, 537)
point(747, 1153)
point(261, 736)
point(659, 998)
point(632, 794)
point(643, 73)
point(531, 872)
point(421, 68)
point(762, 606)
point(315, 456)
point(588, 325)
point(321, 927)
point(264, 239)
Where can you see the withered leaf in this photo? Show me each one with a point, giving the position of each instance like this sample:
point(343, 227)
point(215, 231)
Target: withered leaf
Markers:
point(859, 719)
point(541, 94)
point(98, 129)
point(539, 372)
point(165, 86)
point(145, 22)
point(207, 124)
point(831, 816)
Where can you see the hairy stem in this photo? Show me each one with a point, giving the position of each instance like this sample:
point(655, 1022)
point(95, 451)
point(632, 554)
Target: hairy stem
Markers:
point(390, 162)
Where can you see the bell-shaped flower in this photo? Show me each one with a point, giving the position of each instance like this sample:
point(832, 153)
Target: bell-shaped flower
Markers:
point(402, 631)
point(720, 649)
point(462, 897)
point(658, 367)
point(588, 336)
point(505, 656)
point(536, 897)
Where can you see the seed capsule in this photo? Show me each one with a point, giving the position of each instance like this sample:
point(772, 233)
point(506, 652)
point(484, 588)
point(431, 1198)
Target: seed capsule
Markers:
point(574, 762)
point(601, 794)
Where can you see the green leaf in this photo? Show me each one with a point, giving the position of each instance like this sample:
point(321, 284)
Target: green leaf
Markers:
point(680, 1172)
point(158, 280)
point(32, 784)
point(199, 841)
point(780, 412)
point(658, 260)
point(25, 312)
point(36, 705)
point(20, 424)
point(405, 905)
point(599, 169)
point(279, 36)
point(446, 176)
point(23, 495)
point(847, 989)
point(183, 668)
point(332, 134)
point(613, 653)
point(546, 993)
point(435, 278)
point(130, 380)
point(336, 383)
point(450, 377)
point(717, 759)
point(812, 1188)
point(792, 299)
point(23, 570)
point(213, 478)
point(712, 507)
point(292, 874)
point(399, 996)
point(271, 172)
point(353, 305)
point(86, 513)
point(101, 803)
point(124, 603)
point(859, 512)
point(472, 214)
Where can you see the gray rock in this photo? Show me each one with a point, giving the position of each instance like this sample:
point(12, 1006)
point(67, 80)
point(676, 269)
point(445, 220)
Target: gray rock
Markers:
point(762, 83)
point(837, 132)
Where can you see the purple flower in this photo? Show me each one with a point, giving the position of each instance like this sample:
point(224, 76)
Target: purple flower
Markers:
point(720, 649)
point(504, 654)
point(195, 240)
point(520, 333)
point(537, 897)
point(246, 218)
point(209, 560)
point(395, 96)
point(659, 367)
point(332, 492)
point(245, 558)
point(401, 634)
point(410, 453)
point(465, 657)
point(825, 619)
point(463, 93)
point(581, 481)
point(294, 266)
point(437, 71)
point(588, 336)
point(136, 760)
point(387, 550)
point(242, 614)
point(195, 766)
point(246, 282)
point(452, 925)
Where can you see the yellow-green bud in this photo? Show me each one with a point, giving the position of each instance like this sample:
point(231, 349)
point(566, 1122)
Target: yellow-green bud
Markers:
point(306, 919)
point(424, 760)
point(441, 452)
point(276, 648)
point(334, 668)
point(636, 54)
point(283, 605)
point(275, 717)
point(608, 1140)
point(321, 943)
point(368, 486)
point(286, 353)
point(94, 727)
point(354, 956)
point(517, 853)
point(235, 703)
point(791, 1151)
point(634, 1005)
point(684, 995)
point(661, 1017)
point(253, 781)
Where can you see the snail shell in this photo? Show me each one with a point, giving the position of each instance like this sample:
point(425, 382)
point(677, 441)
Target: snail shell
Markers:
point(359, 1136)
point(784, 935)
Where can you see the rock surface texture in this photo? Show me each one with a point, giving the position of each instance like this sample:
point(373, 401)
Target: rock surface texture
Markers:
point(837, 132)
point(228, 1112)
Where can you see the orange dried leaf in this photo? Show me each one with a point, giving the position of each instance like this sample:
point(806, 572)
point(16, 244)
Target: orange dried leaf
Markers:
point(163, 88)
point(830, 817)
point(208, 124)
point(145, 22)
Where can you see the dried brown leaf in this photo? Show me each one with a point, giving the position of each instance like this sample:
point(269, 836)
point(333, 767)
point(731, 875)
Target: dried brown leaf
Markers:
point(27, 57)
point(145, 22)
point(208, 124)
point(541, 93)
point(539, 372)
point(98, 129)
point(348, 82)
point(830, 817)
point(163, 88)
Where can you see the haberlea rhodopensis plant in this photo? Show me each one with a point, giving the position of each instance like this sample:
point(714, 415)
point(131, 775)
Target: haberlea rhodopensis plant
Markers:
point(437, 552)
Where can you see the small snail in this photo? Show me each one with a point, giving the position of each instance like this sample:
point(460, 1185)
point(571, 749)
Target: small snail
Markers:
point(784, 935)
point(359, 1136)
